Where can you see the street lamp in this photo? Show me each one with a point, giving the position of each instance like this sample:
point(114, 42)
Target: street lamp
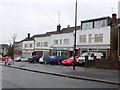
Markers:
point(119, 42)
point(74, 52)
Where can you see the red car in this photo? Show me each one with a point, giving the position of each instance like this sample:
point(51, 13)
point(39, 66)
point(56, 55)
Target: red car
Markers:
point(70, 61)
point(5, 58)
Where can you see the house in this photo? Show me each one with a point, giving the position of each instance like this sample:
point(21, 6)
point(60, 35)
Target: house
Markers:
point(18, 49)
point(94, 35)
point(99, 35)
point(4, 49)
point(62, 43)
point(28, 46)
point(42, 44)
point(59, 42)
point(119, 9)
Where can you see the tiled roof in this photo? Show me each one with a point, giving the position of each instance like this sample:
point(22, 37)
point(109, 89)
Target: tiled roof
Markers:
point(64, 30)
point(69, 29)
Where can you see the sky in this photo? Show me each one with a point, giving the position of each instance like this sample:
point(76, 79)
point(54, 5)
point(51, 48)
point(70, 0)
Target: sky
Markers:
point(20, 17)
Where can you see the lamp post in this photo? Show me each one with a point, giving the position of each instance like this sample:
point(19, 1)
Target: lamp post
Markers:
point(119, 42)
point(75, 35)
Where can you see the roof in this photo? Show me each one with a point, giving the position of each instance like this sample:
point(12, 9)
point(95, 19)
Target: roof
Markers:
point(96, 19)
point(69, 29)
point(64, 30)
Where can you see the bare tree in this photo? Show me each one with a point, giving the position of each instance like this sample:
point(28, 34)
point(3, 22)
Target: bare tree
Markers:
point(14, 38)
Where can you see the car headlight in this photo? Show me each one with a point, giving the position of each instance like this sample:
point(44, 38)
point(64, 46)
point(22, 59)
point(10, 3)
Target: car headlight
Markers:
point(68, 61)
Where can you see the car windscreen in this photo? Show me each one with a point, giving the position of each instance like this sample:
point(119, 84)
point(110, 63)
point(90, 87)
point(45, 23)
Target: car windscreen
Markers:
point(85, 54)
point(73, 57)
point(52, 57)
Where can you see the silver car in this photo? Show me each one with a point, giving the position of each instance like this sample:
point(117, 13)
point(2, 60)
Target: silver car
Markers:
point(19, 59)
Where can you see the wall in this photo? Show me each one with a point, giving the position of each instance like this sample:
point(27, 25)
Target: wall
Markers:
point(62, 37)
point(42, 39)
point(28, 43)
point(119, 9)
point(104, 30)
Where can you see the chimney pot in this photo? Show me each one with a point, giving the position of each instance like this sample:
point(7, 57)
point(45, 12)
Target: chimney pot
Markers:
point(114, 18)
point(28, 35)
point(58, 28)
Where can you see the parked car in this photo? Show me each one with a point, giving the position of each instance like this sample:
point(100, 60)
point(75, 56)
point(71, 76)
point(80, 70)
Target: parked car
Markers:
point(56, 59)
point(8, 61)
point(70, 61)
point(81, 60)
point(33, 59)
point(19, 59)
point(0, 57)
point(44, 59)
point(5, 58)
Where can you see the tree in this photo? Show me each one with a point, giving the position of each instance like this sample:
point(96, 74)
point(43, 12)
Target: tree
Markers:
point(10, 50)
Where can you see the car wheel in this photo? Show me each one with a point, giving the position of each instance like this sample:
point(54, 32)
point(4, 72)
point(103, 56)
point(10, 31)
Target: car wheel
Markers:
point(59, 63)
point(45, 62)
point(52, 63)
point(19, 60)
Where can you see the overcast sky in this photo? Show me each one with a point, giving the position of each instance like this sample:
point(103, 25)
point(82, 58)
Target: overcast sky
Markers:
point(39, 16)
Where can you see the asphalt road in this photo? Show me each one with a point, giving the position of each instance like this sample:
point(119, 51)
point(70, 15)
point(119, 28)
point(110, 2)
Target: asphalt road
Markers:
point(110, 75)
point(15, 78)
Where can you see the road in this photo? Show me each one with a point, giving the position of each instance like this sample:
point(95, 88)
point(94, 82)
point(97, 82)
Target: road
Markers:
point(103, 74)
point(15, 78)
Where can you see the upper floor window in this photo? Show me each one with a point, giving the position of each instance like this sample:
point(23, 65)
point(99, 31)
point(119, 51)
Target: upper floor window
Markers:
point(30, 45)
point(55, 42)
point(87, 25)
point(38, 44)
point(25, 45)
point(41, 44)
point(100, 23)
point(45, 44)
point(98, 38)
point(82, 38)
point(90, 38)
point(66, 41)
point(95, 23)
point(60, 41)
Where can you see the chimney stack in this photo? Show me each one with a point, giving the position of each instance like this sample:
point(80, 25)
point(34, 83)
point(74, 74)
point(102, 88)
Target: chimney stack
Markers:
point(58, 28)
point(114, 19)
point(28, 35)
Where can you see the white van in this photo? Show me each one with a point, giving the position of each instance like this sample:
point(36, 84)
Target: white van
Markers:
point(81, 60)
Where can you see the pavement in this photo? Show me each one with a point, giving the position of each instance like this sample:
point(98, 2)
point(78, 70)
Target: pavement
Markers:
point(91, 74)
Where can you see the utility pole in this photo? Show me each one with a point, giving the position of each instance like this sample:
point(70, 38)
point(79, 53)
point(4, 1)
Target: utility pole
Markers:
point(75, 34)
point(119, 42)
